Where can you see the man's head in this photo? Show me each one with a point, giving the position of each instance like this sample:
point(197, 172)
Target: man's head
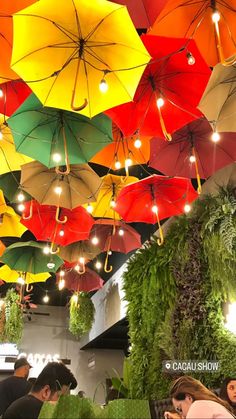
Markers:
point(21, 368)
point(54, 380)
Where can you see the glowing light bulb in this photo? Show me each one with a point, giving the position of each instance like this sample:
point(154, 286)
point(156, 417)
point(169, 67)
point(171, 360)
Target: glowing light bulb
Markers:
point(94, 240)
point(58, 190)
point(112, 203)
point(1, 93)
point(160, 102)
point(61, 284)
point(117, 164)
point(190, 58)
point(56, 157)
point(62, 273)
point(76, 267)
point(128, 162)
point(215, 17)
point(21, 280)
point(46, 299)
point(215, 137)
point(51, 265)
point(103, 86)
point(81, 260)
point(61, 233)
point(192, 159)
point(137, 143)
point(89, 208)
point(155, 209)
point(187, 208)
point(21, 207)
point(110, 253)
point(98, 265)
point(121, 232)
point(1, 135)
point(20, 197)
point(74, 298)
point(46, 250)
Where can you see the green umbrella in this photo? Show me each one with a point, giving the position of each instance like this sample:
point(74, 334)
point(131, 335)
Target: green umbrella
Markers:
point(10, 185)
point(56, 137)
point(29, 257)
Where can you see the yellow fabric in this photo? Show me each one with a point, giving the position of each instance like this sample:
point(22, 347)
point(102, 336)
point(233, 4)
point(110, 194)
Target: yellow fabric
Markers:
point(11, 226)
point(9, 275)
point(43, 48)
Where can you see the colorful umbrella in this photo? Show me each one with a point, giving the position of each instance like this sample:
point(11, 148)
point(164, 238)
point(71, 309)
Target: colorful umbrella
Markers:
point(29, 257)
point(210, 22)
point(154, 198)
point(10, 185)
point(9, 221)
point(89, 44)
point(86, 282)
point(9, 275)
point(192, 153)
point(106, 200)
point(168, 92)
point(55, 137)
point(80, 252)
point(13, 93)
point(224, 177)
point(69, 191)
point(218, 100)
point(46, 226)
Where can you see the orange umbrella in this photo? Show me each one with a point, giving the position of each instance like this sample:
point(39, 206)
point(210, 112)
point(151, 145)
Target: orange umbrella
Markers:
point(211, 23)
point(6, 35)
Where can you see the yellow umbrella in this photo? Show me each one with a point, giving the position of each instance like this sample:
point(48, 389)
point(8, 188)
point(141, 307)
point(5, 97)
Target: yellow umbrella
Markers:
point(9, 221)
point(71, 51)
point(9, 275)
point(105, 204)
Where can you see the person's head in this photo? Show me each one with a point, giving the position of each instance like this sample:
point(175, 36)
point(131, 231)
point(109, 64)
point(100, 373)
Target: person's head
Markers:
point(22, 367)
point(55, 379)
point(228, 390)
point(185, 390)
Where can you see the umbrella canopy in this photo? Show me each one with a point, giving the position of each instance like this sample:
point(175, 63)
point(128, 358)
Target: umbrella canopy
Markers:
point(86, 282)
point(71, 52)
point(218, 100)
point(13, 93)
point(29, 257)
point(222, 178)
point(10, 185)
point(82, 249)
point(10, 222)
point(44, 225)
point(2, 247)
point(216, 39)
point(9, 275)
point(79, 186)
point(168, 79)
point(106, 200)
point(54, 137)
point(115, 235)
point(193, 141)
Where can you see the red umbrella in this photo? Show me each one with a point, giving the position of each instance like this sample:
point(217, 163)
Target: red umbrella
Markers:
point(193, 143)
point(86, 282)
point(155, 198)
point(71, 226)
point(12, 95)
point(169, 90)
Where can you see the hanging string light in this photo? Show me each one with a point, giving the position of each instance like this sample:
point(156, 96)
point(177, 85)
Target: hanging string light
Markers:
point(46, 298)
point(187, 208)
point(190, 58)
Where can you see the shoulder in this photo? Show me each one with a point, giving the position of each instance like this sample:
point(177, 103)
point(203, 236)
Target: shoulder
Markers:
point(204, 409)
point(30, 403)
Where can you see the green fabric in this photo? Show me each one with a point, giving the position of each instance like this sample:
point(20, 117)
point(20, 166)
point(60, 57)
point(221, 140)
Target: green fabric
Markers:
point(9, 184)
point(38, 133)
point(29, 257)
point(129, 409)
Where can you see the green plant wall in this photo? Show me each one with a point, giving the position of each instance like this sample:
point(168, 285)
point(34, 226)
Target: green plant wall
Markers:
point(175, 296)
point(11, 318)
point(81, 314)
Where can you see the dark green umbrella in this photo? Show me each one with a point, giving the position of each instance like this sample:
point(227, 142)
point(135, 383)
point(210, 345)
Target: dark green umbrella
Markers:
point(10, 185)
point(29, 257)
point(56, 137)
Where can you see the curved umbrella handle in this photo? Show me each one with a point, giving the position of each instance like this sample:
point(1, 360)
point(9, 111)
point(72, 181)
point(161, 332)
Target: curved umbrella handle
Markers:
point(72, 104)
point(106, 269)
point(29, 288)
point(57, 217)
point(199, 186)
point(163, 127)
point(61, 172)
point(81, 272)
point(67, 171)
point(160, 239)
point(30, 213)
point(226, 63)
point(54, 252)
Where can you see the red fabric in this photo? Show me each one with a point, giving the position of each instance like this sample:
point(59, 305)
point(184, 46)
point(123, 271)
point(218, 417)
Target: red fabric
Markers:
point(89, 281)
point(134, 203)
point(43, 223)
point(172, 158)
point(180, 85)
point(14, 94)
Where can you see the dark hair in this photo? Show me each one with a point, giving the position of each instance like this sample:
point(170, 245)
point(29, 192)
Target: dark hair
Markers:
point(55, 375)
point(224, 393)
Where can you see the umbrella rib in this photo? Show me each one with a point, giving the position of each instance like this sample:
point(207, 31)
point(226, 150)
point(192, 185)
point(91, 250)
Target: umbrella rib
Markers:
point(77, 20)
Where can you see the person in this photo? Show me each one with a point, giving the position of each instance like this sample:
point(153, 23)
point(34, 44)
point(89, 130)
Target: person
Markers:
point(16, 386)
point(192, 400)
point(228, 392)
point(54, 380)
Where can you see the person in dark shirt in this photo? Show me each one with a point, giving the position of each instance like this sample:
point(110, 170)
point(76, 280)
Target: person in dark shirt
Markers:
point(16, 386)
point(54, 380)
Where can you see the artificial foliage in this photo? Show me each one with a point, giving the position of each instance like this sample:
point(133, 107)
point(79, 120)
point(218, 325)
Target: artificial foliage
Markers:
point(175, 295)
point(81, 314)
point(11, 318)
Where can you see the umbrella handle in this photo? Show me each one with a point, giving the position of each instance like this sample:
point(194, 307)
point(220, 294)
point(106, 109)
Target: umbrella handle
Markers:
point(30, 213)
point(29, 288)
point(106, 269)
point(226, 63)
point(67, 171)
point(83, 270)
point(65, 218)
point(163, 127)
point(54, 252)
point(160, 239)
point(78, 108)
point(199, 186)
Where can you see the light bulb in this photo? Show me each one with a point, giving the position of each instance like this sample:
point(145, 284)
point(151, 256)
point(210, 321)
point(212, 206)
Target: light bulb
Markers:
point(110, 253)
point(137, 143)
point(61, 284)
point(215, 137)
point(61, 233)
point(155, 209)
point(1, 135)
point(76, 267)
point(94, 240)
point(103, 86)
point(56, 157)
point(62, 273)
point(20, 280)
point(128, 162)
point(190, 58)
point(121, 232)
point(89, 208)
point(215, 17)
point(1, 93)
point(74, 298)
point(58, 190)
point(160, 102)
point(51, 265)
point(187, 208)
point(46, 299)
point(192, 159)
point(117, 164)
point(112, 203)
point(98, 265)
point(81, 260)
point(21, 207)
point(46, 250)
point(20, 197)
